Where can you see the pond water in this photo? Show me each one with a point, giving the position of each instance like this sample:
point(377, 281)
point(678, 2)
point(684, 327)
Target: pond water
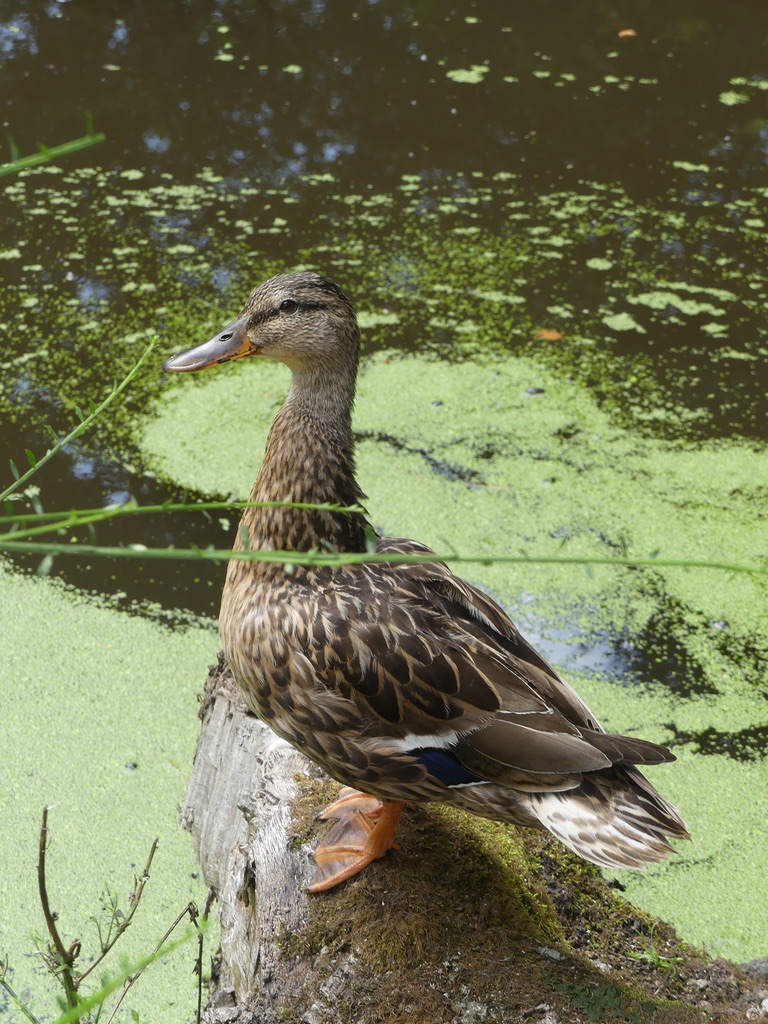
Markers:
point(393, 146)
point(582, 186)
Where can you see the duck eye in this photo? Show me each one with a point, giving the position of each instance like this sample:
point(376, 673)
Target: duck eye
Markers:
point(288, 305)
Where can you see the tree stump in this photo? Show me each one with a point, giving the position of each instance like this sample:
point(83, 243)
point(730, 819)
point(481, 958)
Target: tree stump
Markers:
point(470, 922)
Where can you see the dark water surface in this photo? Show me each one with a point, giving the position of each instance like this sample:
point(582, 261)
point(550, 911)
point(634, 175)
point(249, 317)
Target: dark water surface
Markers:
point(277, 90)
point(396, 146)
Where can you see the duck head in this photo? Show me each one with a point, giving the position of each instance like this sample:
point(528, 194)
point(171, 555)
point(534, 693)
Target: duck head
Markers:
point(303, 320)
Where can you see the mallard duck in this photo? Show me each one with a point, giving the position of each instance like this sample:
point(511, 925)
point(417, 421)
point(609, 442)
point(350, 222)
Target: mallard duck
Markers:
point(402, 681)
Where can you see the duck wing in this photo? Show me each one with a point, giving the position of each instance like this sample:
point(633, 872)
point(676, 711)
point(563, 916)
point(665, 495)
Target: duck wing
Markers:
point(436, 666)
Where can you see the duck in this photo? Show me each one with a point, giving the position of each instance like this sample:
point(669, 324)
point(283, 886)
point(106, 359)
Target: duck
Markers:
point(402, 681)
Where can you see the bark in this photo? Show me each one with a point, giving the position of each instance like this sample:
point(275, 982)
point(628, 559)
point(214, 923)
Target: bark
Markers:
point(471, 922)
point(238, 809)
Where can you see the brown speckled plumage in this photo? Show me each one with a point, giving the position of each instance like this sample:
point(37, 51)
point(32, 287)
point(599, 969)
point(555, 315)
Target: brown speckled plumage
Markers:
point(402, 680)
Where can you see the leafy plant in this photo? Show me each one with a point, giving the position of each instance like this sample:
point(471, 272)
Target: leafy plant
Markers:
point(63, 961)
point(607, 1002)
point(653, 955)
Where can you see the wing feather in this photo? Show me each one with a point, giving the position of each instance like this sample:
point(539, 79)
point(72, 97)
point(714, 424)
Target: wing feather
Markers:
point(431, 657)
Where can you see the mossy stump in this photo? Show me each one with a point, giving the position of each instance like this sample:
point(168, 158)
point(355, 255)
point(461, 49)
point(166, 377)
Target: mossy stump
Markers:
point(469, 922)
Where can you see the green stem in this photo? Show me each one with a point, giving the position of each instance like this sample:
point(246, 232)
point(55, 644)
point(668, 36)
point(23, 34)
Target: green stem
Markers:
point(48, 153)
point(81, 427)
point(191, 911)
point(87, 1003)
point(19, 1004)
point(66, 520)
point(357, 558)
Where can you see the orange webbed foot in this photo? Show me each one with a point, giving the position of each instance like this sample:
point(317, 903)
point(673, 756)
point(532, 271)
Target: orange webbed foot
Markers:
point(363, 832)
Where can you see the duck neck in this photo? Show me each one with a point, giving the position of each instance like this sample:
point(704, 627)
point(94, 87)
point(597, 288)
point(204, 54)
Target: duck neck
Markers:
point(309, 458)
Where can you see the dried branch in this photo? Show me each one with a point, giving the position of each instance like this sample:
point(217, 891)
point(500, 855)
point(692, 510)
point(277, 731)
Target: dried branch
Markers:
point(199, 961)
point(66, 957)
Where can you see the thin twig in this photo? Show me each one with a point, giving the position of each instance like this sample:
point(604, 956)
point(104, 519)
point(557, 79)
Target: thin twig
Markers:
point(124, 924)
point(190, 909)
point(97, 998)
point(198, 968)
point(200, 941)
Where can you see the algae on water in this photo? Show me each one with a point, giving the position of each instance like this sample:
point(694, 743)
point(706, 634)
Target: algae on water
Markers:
point(136, 253)
point(102, 731)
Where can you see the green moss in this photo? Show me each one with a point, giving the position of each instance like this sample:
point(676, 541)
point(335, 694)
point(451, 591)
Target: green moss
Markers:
point(402, 911)
point(441, 925)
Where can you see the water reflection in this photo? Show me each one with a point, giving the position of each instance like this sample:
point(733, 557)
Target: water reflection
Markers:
point(17, 37)
point(119, 37)
point(565, 104)
point(156, 143)
point(90, 292)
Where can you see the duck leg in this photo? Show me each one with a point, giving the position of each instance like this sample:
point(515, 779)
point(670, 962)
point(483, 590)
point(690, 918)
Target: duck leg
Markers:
point(364, 831)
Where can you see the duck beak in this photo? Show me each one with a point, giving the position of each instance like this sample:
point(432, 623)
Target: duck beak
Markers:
point(231, 343)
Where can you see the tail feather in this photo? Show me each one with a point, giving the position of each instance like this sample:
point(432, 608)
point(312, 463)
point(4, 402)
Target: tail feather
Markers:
point(614, 819)
point(627, 749)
